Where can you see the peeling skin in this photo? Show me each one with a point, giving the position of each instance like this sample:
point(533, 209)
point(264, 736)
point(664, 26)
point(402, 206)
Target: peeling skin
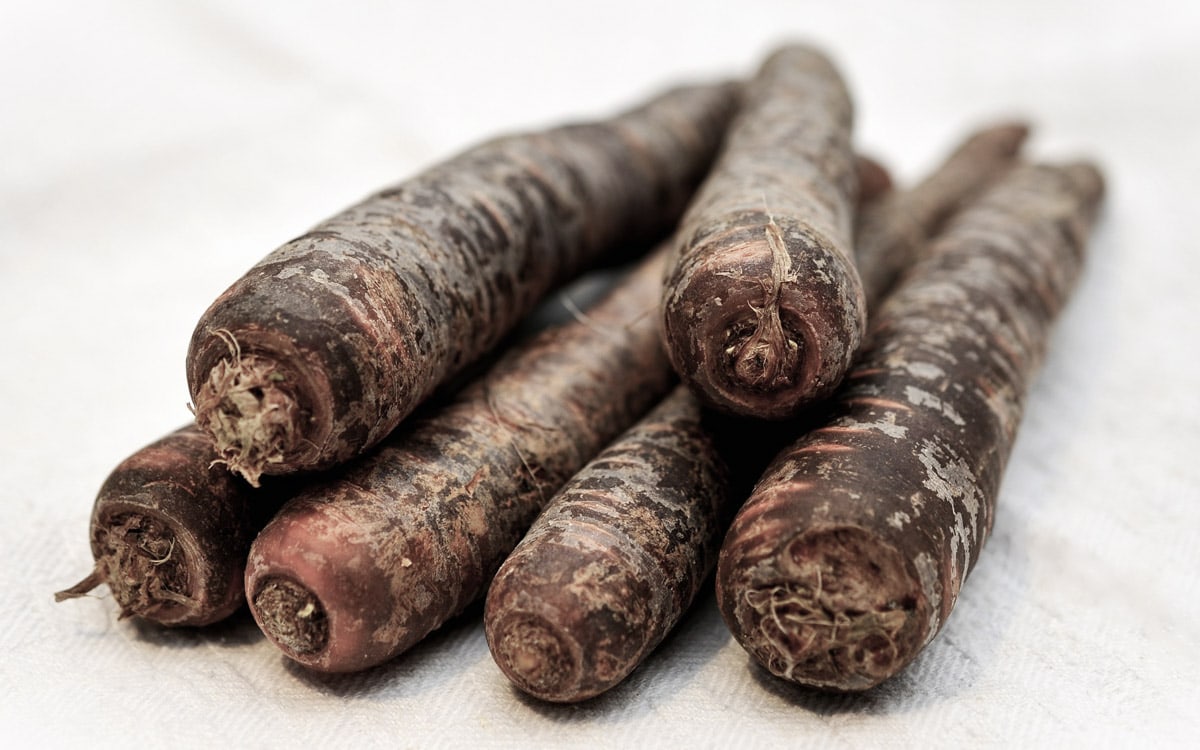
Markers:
point(924, 370)
point(951, 481)
point(885, 424)
point(918, 397)
point(393, 545)
point(906, 510)
point(322, 348)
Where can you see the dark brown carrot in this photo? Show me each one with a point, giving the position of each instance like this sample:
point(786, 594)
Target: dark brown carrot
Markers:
point(321, 349)
point(360, 567)
point(850, 553)
point(892, 231)
point(170, 533)
point(874, 181)
point(614, 560)
point(762, 308)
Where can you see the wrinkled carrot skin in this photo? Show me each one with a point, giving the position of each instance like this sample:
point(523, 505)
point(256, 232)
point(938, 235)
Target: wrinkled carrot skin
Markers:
point(762, 306)
point(362, 566)
point(892, 232)
point(170, 533)
point(614, 560)
point(323, 347)
point(850, 553)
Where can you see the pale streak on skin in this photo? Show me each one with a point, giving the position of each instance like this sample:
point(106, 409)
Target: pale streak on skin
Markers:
point(883, 403)
point(919, 397)
point(825, 448)
point(770, 324)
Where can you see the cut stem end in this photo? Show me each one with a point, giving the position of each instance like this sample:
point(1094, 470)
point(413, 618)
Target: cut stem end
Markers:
point(292, 616)
point(843, 613)
point(537, 657)
point(250, 416)
point(144, 566)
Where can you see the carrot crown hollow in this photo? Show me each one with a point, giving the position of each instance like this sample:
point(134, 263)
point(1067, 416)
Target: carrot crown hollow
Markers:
point(850, 553)
point(323, 347)
point(762, 307)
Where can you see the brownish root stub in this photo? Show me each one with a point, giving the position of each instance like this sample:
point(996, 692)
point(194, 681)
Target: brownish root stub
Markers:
point(849, 555)
point(294, 616)
point(762, 306)
point(401, 540)
point(894, 230)
point(323, 347)
point(615, 559)
point(170, 533)
point(874, 181)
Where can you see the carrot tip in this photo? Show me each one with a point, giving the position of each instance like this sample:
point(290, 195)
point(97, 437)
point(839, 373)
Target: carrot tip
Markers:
point(83, 588)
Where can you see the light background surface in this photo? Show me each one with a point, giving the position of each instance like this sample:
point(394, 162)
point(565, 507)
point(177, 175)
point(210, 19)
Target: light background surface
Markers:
point(150, 152)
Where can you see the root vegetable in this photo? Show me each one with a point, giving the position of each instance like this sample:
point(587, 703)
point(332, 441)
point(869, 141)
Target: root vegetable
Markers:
point(762, 308)
point(874, 181)
point(360, 567)
point(892, 230)
point(614, 560)
point(170, 533)
point(323, 347)
point(850, 553)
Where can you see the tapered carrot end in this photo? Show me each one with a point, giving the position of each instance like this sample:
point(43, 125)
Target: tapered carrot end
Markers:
point(1003, 139)
point(83, 588)
point(1087, 179)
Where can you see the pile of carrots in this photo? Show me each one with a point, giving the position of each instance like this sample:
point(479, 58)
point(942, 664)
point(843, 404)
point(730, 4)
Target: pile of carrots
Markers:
point(809, 382)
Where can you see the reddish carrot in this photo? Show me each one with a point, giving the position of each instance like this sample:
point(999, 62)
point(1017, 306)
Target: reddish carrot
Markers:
point(321, 349)
point(360, 567)
point(170, 533)
point(850, 553)
point(892, 231)
point(762, 308)
point(615, 559)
